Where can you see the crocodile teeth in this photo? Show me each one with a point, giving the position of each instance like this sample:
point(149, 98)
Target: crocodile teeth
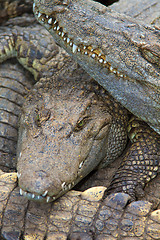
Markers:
point(33, 6)
point(18, 175)
point(101, 60)
point(80, 165)
point(68, 40)
point(48, 198)
point(50, 21)
point(63, 185)
point(21, 191)
point(45, 193)
point(33, 195)
point(74, 48)
point(58, 28)
point(39, 15)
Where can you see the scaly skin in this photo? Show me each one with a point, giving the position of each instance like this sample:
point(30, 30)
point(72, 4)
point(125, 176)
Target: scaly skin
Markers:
point(14, 85)
point(118, 52)
point(33, 129)
point(33, 217)
point(12, 8)
point(76, 215)
point(62, 114)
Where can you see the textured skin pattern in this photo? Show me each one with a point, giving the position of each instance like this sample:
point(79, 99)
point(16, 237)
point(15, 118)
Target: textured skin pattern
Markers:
point(125, 53)
point(141, 163)
point(76, 215)
point(31, 218)
point(12, 8)
point(83, 117)
point(14, 85)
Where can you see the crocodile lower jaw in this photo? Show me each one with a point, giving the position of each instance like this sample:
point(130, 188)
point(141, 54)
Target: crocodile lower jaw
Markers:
point(51, 23)
point(45, 197)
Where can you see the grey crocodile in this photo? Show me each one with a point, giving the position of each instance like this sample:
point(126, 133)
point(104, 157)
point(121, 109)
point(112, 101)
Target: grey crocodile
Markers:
point(118, 52)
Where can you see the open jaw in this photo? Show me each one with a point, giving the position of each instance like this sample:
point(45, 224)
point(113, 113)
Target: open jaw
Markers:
point(96, 54)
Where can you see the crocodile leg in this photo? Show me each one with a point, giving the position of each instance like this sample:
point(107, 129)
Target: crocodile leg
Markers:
point(141, 162)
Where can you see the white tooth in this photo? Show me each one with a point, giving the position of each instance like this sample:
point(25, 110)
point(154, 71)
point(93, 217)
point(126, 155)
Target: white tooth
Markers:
point(78, 49)
point(45, 193)
point(50, 21)
point(20, 154)
point(111, 69)
point(64, 38)
point(86, 52)
point(71, 44)
point(105, 62)
point(121, 75)
point(114, 71)
point(68, 40)
point(74, 48)
point(48, 198)
point(58, 28)
point(21, 191)
point(80, 165)
point(47, 16)
point(33, 195)
point(38, 197)
point(34, 6)
point(63, 185)
point(55, 28)
point(18, 175)
point(84, 47)
point(99, 54)
point(59, 33)
point(62, 34)
point(92, 50)
point(53, 198)
point(39, 15)
point(101, 60)
point(93, 55)
point(69, 186)
point(42, 19)
point(55, 22)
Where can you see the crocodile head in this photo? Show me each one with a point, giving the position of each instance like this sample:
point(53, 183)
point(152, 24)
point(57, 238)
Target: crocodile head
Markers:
point(64, 134)
point(118, 52)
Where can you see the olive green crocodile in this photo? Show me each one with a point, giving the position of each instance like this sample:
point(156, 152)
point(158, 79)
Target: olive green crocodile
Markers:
point(118, 52)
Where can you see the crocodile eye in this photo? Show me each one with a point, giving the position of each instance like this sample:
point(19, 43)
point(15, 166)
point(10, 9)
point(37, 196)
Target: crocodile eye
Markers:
point(81, 124)
point(42, 116)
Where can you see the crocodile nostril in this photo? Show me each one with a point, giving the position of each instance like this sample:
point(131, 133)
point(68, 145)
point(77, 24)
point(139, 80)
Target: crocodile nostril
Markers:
point(41, 174)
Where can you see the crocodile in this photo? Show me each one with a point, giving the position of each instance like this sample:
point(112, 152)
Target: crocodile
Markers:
point(119, 53)
point(15, 199)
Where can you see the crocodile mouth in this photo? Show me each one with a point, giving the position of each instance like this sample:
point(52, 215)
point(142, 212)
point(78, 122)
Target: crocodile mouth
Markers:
point(51, 23)
point(45, 197)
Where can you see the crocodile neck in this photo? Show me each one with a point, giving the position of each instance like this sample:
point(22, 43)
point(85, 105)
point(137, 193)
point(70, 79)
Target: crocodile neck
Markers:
point(114, 49)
